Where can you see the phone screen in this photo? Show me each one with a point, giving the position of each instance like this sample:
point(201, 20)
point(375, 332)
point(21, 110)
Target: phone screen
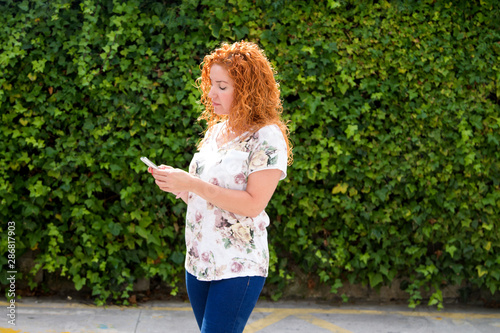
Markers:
point(148, 162)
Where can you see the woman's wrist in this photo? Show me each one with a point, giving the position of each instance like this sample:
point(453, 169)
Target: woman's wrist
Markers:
point(195, 184)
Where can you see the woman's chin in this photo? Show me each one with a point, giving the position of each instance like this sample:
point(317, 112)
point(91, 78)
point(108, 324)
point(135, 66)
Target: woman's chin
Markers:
point(220, 112)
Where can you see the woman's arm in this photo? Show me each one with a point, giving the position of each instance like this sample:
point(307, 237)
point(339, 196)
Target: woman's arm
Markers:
point(250, 202)
point(183, 196)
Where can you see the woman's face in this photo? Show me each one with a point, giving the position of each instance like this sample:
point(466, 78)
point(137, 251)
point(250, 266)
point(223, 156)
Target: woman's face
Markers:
point(221, 92)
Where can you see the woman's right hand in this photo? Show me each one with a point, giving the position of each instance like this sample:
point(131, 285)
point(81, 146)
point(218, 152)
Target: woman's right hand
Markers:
point(178, 195)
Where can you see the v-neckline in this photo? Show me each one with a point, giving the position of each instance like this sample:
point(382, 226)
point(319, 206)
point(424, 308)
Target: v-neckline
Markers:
point(225, 143)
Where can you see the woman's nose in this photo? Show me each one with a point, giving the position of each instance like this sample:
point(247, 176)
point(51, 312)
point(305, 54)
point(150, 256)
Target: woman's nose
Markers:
point(211, 93)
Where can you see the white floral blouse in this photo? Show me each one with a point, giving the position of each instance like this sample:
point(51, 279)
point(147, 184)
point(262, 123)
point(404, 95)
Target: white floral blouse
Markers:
point(221, 244)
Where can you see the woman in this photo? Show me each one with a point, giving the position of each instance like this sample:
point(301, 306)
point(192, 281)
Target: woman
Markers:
point(231, 179)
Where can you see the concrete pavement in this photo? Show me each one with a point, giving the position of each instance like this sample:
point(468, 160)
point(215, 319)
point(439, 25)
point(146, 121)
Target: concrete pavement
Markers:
point(50, 316)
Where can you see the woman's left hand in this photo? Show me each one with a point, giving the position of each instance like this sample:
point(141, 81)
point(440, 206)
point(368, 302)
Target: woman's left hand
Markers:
point(172, 180)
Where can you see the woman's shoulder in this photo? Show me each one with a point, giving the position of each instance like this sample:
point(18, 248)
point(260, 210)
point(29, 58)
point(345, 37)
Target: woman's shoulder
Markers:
point(271, 129)
point(269, 132)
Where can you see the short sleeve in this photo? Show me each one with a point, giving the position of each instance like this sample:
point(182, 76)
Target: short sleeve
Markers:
point(270, 151)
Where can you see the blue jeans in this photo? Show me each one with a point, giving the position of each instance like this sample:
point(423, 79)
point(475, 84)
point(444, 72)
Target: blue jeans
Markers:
point(223, 306)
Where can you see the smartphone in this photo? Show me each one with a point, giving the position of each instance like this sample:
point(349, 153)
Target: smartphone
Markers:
point(149, 163)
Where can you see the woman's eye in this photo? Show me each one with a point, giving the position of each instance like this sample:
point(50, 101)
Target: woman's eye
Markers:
point(222, 88)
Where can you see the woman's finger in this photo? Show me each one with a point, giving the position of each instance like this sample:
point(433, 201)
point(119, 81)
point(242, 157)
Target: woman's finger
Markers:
point(162, 185)
point(160, 182)
point(160, 174)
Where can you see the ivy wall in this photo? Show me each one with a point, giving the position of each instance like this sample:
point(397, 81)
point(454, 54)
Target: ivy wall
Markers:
point(394, 113)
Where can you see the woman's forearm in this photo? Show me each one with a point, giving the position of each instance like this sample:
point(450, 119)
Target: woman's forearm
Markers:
point(235, 201)
point(250, 202)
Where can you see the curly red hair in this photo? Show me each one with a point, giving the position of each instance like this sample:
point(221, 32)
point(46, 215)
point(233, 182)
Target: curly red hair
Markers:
point(256, 100)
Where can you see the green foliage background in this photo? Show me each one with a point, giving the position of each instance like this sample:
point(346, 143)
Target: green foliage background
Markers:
point(393, 109)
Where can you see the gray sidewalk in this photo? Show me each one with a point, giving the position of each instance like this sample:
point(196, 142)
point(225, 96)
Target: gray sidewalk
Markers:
point(50, 316)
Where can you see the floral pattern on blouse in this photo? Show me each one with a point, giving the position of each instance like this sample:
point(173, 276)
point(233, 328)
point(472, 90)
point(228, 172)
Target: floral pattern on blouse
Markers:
point(221, 244)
